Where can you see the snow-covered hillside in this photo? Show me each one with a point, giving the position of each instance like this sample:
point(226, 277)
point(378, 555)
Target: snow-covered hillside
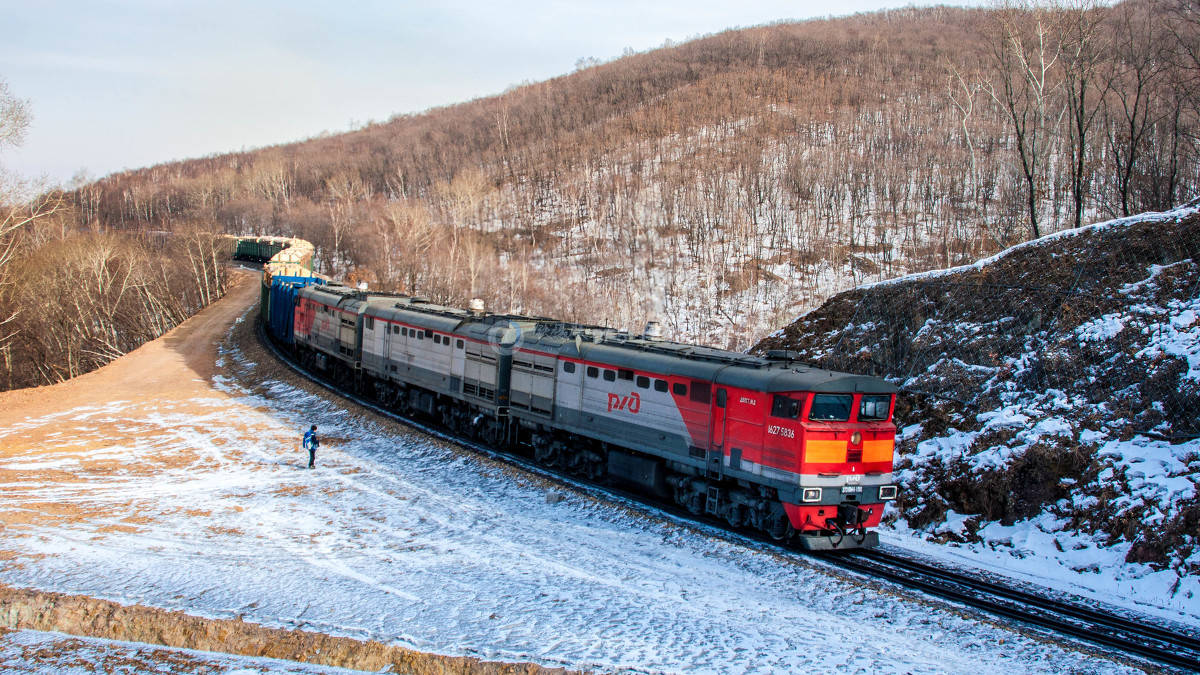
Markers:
point(1051, 406)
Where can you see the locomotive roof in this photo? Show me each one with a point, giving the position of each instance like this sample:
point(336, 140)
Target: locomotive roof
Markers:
point(340, 296)
point(721, 366)
point(606, 345)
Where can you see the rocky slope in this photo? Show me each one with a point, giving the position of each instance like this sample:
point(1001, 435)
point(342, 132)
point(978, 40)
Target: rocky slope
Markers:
point(1054, 386)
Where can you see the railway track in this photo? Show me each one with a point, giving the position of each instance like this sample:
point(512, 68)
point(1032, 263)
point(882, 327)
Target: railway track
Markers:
point(1088, 624)
point(1145, 641)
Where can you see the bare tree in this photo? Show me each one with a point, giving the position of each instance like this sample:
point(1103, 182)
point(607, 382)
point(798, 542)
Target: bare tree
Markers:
point(1084, 48)
point(1136, 72)
point(346, 191)
point(16, 212)
point(1184, 25)
point(406, 236)
point(1023, 58)
point(961, 90)
point(14, 117)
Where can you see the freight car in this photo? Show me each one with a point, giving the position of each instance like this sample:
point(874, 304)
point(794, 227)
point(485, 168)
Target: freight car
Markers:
point(763, 442)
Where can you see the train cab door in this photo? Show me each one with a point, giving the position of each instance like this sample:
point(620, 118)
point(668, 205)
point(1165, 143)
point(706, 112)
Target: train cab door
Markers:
point(385, 349)
point(716, 446)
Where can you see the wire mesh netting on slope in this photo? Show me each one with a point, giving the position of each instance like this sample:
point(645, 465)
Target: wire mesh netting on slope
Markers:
point(1059, 377)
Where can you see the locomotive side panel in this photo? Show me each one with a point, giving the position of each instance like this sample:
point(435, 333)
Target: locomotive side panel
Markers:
point(347, 333)
point(481, 377)
point(416, 348)
point(783, 432)
point(568, 393)
point(428, 360)
point(375, 346)
point(625, 406)
point(325, 327)
point(532, 383)
point(744, 414)
point(302, 326)
point(693, 400)
point(458, 360)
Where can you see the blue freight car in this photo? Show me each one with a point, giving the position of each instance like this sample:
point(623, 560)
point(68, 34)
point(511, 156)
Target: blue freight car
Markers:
point(282, 304)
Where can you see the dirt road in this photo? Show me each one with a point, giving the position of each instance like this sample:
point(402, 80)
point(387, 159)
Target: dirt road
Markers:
point(179, 365)
point(65, 432)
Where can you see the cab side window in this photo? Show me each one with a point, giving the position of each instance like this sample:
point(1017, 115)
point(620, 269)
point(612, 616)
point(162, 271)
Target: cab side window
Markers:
point(875, 407)
point(785, 407)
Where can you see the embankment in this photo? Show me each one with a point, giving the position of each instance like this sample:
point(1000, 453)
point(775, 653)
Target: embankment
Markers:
point(91, 617)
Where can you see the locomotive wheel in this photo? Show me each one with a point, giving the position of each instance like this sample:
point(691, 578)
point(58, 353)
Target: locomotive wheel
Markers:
point(779, 527)
point(733, 515)
point(546, 452)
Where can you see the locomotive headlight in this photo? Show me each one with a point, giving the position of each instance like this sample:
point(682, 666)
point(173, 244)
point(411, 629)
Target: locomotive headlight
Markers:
point(887, 491)
point(811, 495)
point(855, 438)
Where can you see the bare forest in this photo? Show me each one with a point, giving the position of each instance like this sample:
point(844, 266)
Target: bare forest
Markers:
point(724, 185)
point(73, 301)
point(74, 297)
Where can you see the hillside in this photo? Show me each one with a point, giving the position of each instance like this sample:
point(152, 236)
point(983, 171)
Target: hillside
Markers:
point(1050, 396)
point(722, 185)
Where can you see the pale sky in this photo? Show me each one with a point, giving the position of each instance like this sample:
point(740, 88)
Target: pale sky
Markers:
point(122, 84)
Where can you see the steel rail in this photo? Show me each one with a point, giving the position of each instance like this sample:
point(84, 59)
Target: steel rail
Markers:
point(1105, 628)
point(1074, 611)
point(1146, 641)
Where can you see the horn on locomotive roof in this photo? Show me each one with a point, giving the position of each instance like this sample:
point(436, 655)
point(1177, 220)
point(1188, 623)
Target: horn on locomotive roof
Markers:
point(653, 331)
point(475, 306)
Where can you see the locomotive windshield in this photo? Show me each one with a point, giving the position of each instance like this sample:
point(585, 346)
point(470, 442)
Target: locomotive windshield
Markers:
point(874, 407)
point(831, 407)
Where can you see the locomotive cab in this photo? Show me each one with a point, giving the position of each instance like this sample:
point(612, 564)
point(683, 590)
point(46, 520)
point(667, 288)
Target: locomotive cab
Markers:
point(844, 445)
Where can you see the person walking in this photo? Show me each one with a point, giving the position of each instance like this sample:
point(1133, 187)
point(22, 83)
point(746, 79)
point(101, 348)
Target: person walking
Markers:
point(311, 443)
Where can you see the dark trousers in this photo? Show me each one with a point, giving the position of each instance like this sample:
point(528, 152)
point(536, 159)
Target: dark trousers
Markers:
point(312, 457)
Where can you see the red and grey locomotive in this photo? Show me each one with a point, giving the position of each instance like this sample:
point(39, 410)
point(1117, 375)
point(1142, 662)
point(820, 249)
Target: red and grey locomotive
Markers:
point(762, 442)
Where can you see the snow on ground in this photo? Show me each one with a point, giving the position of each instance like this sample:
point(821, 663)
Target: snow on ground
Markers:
point(1037, 551)
point(400, 538)
point(1044, 551)
point(40, 653)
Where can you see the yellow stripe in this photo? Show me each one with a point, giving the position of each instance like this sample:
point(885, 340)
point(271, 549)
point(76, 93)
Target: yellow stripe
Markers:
point(878, 451)
point(826, 452)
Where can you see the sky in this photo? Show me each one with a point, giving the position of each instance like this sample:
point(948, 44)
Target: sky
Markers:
point(122, 84)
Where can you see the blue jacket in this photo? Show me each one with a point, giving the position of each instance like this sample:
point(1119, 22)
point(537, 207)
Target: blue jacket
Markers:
point(310, 440)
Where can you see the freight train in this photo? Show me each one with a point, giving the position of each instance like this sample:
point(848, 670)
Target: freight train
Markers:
point(767, 443)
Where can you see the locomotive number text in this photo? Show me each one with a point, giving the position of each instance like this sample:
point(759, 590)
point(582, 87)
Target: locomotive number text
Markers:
point(776, 430)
